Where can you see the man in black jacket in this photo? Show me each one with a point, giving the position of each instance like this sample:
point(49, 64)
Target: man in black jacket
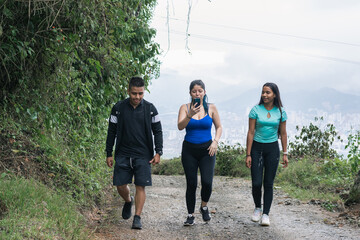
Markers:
point(133, 123)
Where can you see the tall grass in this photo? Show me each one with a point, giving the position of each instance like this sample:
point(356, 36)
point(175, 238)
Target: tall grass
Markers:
point(327, 181)
point(32, 211)
point(323, 176)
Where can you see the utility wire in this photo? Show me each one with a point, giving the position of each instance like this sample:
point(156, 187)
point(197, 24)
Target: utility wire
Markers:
point(267, 32)
point(267, 47)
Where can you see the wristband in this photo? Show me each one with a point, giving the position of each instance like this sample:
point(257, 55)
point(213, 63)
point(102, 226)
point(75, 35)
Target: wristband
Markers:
point(216, 141)
point(285, 153)
point(248, 155)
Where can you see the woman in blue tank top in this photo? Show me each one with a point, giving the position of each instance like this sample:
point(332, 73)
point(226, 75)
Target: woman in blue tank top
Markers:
point(267, 121)
point(198, 149)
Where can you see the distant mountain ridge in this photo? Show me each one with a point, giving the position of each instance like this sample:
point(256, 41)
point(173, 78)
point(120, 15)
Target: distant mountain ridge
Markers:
point(325, 99)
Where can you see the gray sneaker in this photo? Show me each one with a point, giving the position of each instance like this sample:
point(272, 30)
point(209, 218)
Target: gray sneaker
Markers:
point(265, 221)
point(137, 222)
point(126, 211)
point(256, 215)
point(205, 213)
point(189, 220)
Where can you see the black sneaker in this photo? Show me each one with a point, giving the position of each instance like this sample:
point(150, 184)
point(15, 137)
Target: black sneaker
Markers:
point(190, 220)
point(137, 222)
point(205, 213)
point(126, 211)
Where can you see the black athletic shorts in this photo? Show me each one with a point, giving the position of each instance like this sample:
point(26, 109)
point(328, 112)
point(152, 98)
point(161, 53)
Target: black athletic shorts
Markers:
point(126, 168)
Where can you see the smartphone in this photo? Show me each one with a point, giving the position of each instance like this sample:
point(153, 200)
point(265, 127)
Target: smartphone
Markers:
point(196, 102)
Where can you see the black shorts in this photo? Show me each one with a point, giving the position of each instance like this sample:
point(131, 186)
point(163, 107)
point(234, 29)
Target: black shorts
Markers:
point(125, 168)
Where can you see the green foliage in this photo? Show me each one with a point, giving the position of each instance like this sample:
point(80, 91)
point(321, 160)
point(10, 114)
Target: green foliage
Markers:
point(31, 211)
point(80, 173)
point(103, 43)
point(354, 151)
point(230, 161)
point(63, 65)
point(169, 167)
point(314, 141)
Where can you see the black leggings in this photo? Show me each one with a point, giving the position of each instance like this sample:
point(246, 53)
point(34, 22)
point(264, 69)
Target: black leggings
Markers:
point(264, 156)
point(194, 157)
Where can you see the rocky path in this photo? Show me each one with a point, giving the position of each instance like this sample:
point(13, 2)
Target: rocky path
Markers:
point(231, 204)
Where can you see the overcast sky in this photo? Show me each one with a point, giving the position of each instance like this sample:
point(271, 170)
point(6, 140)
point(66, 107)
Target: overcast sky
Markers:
point(238, 45)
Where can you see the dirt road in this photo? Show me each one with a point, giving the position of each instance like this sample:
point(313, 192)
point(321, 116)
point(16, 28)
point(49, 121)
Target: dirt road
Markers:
point(231, 202)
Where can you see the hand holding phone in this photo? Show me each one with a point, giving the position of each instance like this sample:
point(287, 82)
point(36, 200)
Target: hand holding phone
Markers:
point(196, 102)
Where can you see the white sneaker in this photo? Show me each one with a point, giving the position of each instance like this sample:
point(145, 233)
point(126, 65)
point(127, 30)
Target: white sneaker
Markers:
point(256, 215)
point(265, 221)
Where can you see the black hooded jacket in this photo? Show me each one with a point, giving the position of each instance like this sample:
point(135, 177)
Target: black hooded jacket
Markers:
point(152, 127)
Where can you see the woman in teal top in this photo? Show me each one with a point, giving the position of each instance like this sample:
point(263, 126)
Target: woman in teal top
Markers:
point(267, 122)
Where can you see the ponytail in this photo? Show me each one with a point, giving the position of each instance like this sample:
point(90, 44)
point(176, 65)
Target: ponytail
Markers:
point(205, 104)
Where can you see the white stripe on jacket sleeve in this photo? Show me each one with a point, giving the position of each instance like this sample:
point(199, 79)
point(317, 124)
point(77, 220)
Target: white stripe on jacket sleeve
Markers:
point(155, 119)
point(113, 119)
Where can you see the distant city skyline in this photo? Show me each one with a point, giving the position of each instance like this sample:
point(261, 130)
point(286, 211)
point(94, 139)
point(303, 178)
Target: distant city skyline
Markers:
point(235, 129)
point(234, 119)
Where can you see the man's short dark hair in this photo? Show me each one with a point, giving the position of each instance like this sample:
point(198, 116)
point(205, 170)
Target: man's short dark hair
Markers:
point(136, 82)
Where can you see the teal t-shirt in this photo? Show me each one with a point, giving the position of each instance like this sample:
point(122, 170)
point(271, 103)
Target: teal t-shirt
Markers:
point(266, 129)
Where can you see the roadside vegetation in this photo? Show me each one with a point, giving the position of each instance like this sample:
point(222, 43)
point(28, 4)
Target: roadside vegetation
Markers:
point(63, 64)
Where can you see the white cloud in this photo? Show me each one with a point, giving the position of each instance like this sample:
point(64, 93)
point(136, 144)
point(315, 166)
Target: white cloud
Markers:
point(180, 58)
point(238, 44)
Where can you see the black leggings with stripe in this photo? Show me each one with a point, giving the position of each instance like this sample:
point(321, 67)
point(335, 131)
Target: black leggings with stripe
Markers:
point(194, 157)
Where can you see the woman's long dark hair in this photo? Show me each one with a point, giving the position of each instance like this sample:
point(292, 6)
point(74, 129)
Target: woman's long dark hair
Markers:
point(277, 99)
point(275, 89)
point(205, 99)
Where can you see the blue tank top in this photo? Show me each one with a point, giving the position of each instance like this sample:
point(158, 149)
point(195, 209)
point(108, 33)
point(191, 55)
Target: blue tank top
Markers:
point(199, 131)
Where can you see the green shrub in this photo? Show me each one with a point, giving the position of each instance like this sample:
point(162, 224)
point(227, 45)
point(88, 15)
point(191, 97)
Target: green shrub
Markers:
point(314, 141)
point(230, 161)
point(169, 167)
point(354, 151)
